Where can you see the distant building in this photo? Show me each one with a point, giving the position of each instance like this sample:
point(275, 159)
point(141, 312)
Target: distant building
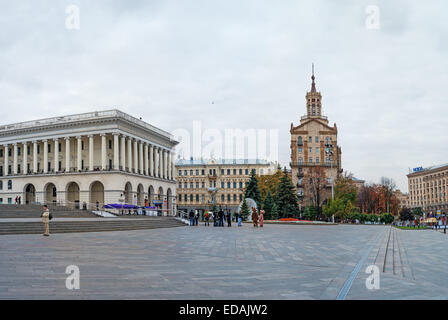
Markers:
point(403, 199)
point(314, 145)
point(358, 183)
point(221, 182)
point(428, 188)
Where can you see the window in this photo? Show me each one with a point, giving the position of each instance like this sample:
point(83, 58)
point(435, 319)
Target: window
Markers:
point(222, 198)
point(300, 150)
point(317, 150)
point(38, 149)
point(1, 185)
point(191, 172)
point(1, 171)
point(197, 198)
point(317, 160)
point(241, 197)
point(203, 184)
point(180, 198)
point(180, 172)
point(9, 184)
point(197, 172)
point(59, 148)
point(228, 185)
point(1, 153)
point(228, 172)
point(311, 160)
point(241, 185)
point(234, 185)
point(185, 173)
point(18, 168)
point(18, 151)
point(203, 172)
point(222, 171)
point(222, 184)
point(241, 171)
point(110, 144)
point(310, 150)
point(234, 171)
point(247, 171)
point(261, 171)
point(228, 198)
point(316, 139)
point(310, 139)
point(180, 185)
point(300, 160)
point(197, 185)
point(186, 197)
point(82, 145)
point(299, 141)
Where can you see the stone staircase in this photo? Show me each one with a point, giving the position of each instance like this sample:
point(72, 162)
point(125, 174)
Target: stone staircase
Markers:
point(93, 225)
point(34, 211)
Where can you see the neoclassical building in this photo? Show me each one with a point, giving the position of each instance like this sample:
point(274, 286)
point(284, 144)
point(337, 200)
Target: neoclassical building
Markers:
point(105, 156)
point(314, 145)
point(202, 183)
point(428, 188)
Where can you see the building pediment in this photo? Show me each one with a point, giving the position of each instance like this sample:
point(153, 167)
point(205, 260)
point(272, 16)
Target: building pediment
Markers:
point(301, 128)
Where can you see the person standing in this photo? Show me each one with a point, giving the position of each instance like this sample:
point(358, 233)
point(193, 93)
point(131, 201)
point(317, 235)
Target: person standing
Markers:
point(207, 219)
point(239, 219)
point(46, 220)
point(191, 216)
point(221, 218)
point(196, 217)
point(229, 218)
point(255, 217)
point(261, 218)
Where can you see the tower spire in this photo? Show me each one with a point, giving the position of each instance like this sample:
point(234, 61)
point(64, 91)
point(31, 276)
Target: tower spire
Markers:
point(313, 85)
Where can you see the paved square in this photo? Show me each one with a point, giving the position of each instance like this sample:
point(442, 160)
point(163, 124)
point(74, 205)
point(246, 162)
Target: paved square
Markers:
point(276, 262)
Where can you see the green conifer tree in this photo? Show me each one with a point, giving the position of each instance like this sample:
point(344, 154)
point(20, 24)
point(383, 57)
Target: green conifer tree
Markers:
point(267, 206)
point(286, 199)
point(252, 190)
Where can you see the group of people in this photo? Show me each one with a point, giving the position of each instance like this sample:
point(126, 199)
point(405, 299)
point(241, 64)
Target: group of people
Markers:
point(257, 219)
point(18, 200)
point(219, 218)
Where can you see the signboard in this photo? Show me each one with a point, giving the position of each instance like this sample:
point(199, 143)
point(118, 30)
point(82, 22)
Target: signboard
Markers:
point(417, 169)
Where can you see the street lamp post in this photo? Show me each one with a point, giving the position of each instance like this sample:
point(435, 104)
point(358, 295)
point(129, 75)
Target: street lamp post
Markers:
point(329, 152)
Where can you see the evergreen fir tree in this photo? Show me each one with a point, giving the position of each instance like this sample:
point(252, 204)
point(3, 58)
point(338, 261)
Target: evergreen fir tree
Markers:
point(286, 199)
point(244, 210)
point(252, 190)
point(274, 212)
point(267, 206)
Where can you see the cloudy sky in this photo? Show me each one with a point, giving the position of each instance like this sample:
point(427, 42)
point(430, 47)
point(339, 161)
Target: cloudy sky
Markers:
point(241, 64)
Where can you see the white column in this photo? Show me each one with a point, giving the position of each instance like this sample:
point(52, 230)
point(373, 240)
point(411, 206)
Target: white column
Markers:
point(135, 155)
point(165, 171)
point(15, 159)
point(67, 154)
point(116, 152)
point(56, 154)
point(5, 165)
point(35, 156)
point(173, 166)
point(140, 159)
point(123, 153)
point(103, 151)
point(25, 158)
point(130, 154)
point(151, 160)
point(156, 164)
point(169, 165)
point(91, 148)
point(45, 156)
point(79, 152)
point(146, 159)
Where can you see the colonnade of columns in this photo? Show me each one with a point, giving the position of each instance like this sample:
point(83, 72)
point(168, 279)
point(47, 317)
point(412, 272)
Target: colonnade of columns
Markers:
point(129, 155)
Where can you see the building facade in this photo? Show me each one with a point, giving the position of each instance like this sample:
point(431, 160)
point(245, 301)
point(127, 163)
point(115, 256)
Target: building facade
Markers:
point(314, 148)
point(428, 188)
point(403, 199)
point(105, 157)
point(200, 184)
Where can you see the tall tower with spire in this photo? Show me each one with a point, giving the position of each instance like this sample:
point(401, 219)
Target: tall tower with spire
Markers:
point(313, 100)
point(315, 154)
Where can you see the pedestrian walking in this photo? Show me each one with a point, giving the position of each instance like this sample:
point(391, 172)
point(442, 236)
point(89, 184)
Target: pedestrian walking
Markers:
point(261, 218)
point(255, 217)
point(46, 217)
point(191, 216)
